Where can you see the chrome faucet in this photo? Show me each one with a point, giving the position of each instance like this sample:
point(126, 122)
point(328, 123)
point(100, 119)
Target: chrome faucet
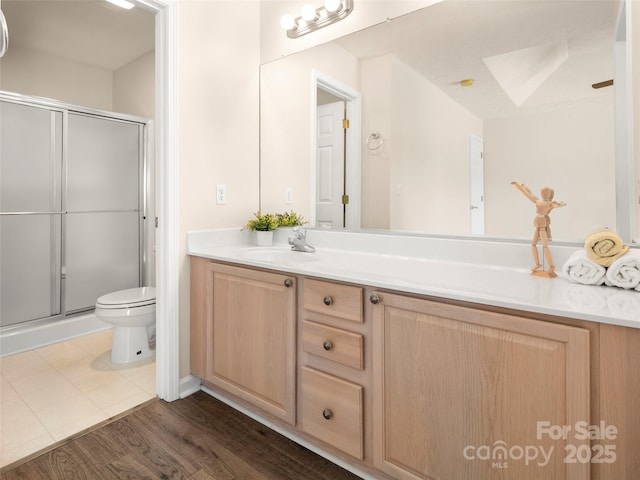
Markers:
point(299, 241)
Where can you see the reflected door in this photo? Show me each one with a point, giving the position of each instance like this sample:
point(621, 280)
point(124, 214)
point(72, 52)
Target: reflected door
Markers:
point(330, 166)
point(476, 173)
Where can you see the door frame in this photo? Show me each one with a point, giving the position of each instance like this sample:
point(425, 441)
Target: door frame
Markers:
point(165, 151)
point(353, 100)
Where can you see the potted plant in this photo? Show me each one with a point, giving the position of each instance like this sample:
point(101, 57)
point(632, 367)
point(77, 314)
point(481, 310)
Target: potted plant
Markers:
point(290, 219)
point(263, 224)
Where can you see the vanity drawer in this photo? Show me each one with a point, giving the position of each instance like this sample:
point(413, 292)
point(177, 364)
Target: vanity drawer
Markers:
point(333, 344)
point(332, 411)
point(342, 301)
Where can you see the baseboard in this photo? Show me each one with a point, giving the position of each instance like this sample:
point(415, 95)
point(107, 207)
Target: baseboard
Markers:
point(189, 385)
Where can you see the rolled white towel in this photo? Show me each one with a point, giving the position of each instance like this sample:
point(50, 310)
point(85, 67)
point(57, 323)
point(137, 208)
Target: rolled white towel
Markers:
point(579, 268)
point(625, 271)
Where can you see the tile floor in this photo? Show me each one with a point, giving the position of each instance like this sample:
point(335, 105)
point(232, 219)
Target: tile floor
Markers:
point(55, 391)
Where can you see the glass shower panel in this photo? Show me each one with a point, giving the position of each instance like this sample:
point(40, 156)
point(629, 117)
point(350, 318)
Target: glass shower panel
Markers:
point(102, 226)
point(30, 158)
point(29, 267)
point(102, 256)
point(30, 212)
point(103, 169)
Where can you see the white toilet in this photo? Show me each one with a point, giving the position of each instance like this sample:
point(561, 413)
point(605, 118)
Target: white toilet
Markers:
point(131, 312)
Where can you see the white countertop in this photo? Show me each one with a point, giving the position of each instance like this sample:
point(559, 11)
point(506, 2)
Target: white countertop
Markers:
point(489, 273)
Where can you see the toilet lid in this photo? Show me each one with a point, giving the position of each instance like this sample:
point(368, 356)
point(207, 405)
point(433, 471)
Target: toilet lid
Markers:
point(132, 297)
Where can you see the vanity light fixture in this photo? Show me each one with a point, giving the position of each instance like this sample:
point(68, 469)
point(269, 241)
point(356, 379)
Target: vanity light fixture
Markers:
point(122, 4)
point(312, 19)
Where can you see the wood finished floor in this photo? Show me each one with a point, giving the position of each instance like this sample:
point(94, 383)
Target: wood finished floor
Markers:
point(196, 438)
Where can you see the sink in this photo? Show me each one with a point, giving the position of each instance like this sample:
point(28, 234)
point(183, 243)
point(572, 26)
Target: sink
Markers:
point(277, 255)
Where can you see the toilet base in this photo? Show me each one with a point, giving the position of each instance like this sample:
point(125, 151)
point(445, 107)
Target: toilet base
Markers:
point(130, 344)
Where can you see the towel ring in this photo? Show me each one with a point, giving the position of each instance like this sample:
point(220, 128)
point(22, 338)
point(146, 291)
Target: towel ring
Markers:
point(377, 141)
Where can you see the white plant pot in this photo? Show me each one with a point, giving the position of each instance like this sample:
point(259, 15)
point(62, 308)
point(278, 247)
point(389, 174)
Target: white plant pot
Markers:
point(264, 239)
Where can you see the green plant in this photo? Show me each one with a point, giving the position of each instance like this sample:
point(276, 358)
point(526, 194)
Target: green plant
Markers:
point(266, 222)
point(290, 219)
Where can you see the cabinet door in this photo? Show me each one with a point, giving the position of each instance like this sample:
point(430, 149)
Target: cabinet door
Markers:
point(465, 394)
point(250, 337)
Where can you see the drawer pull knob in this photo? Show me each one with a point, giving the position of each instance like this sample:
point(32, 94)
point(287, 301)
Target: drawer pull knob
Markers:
point(327, 300)
point(288, 282)
point(327, 345)
point(327, 414)
point(375, 299)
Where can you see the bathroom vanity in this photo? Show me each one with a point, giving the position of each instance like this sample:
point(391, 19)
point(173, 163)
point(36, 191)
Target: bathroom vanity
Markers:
point(396, 366)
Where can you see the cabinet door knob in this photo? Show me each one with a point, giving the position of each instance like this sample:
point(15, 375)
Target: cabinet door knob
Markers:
point(327, 300)
point(327, 414)
point(327, 345)
point(288, 282)
point(375, 299)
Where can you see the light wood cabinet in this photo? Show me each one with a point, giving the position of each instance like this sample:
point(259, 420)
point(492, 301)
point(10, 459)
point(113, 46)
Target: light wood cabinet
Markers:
point(333, 376)
point(332, 410)
point(409, 388)
point(246, 339)
point(459, 393)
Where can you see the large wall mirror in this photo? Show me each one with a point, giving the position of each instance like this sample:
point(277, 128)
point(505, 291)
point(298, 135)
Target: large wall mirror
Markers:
point(447, 106)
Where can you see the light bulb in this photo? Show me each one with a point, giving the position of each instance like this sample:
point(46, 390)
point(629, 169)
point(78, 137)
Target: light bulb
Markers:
point(287, 22)
point(332, 5)
point(308, 12)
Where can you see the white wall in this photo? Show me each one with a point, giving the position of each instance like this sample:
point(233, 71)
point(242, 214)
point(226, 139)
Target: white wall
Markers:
point(274, 42)
point(424, 159)
point(218, 60)
point(134, 87)
point(512, 152)
point(30, 72)
point(375, 85)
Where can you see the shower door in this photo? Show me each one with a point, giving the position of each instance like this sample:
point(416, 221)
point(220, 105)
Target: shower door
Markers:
point(103, 197)
point(71, 197)
point(30, 199)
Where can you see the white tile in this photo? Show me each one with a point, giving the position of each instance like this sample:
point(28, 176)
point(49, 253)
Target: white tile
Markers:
point(12, 407)
point(51, 393)
point(22, 365)
point(119, 390)
point(22, 437)
point(47, 379)
point(145, 378)
point(96, 343)
point(62, 355)
point(45, 399)
point(78, 413)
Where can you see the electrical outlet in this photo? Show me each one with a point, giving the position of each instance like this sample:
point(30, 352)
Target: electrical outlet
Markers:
point(221, 194)
point(288, 196)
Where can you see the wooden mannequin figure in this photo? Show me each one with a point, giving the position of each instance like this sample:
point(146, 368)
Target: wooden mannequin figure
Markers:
point(542, 223)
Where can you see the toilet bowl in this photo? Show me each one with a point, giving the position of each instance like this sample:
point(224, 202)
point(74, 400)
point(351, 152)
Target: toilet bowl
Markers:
point(130, 312)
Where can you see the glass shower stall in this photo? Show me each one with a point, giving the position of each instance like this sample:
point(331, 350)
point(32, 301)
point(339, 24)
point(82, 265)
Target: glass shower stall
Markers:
point(72, 208)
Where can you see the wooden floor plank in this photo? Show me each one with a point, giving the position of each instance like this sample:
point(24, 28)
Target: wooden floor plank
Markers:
point(196, 438)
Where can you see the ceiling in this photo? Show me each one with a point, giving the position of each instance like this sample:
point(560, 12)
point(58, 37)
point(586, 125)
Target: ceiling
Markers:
point(92, 32)
point(446, 43)
point(457, 39)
